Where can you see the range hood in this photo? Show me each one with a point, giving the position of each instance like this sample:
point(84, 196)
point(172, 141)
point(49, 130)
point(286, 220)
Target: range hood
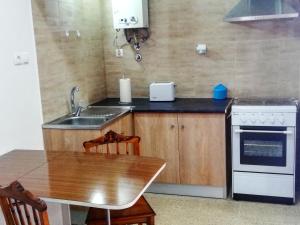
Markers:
point(252, 10)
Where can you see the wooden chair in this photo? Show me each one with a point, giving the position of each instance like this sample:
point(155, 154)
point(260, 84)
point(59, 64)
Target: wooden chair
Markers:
point(20, 207)
point(141, 212)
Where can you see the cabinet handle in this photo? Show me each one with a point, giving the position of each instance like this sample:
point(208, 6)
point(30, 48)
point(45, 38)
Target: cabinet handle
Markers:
point(172, 126)
point(182, 127)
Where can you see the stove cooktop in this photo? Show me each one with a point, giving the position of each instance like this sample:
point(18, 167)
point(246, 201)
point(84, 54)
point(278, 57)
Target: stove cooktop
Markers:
point(265, 101)
point(264, 112)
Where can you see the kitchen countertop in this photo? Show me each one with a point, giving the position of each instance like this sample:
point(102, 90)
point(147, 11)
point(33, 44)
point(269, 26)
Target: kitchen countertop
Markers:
point(183, 105)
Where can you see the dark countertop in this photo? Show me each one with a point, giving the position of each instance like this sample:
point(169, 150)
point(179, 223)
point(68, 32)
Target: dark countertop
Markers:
point(184, 105)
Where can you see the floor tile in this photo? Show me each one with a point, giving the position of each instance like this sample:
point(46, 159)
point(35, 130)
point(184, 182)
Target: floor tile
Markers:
point(180, 210)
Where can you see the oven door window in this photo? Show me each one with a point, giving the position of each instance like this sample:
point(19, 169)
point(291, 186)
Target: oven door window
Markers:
point(263, 148)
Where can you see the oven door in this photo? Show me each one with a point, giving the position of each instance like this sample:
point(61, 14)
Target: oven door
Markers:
point(263, 149)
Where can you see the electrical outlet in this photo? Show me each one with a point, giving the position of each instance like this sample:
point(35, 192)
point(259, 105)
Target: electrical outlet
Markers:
point(21, 58)
point(119, 52)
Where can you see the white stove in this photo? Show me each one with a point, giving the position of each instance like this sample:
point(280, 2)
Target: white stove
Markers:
point(264, 112)
point(263, 149)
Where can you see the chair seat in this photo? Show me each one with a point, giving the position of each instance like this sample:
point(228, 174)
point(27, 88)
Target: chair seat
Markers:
point(138, 213)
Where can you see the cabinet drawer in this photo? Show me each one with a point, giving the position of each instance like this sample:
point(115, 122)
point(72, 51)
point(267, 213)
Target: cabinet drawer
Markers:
point(263, 184)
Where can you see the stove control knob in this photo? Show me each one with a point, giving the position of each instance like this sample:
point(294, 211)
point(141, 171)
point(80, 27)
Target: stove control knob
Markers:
point(282, 121)
point(272, 120)
point(252, 118)
point(267, 121)
point(243, 120)
point(261, 119)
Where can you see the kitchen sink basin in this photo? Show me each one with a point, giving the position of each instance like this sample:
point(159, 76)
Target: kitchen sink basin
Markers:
point(83, 121)
point(98, 111)
point(93, 117)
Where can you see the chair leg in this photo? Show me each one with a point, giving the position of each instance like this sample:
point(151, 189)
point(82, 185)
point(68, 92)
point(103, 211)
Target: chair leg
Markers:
point(150, 220)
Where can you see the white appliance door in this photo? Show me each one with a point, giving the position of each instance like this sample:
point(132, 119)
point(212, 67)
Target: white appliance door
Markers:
point(265, 184)
point(263, 149)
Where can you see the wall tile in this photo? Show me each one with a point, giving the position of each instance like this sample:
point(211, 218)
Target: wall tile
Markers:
point(259, 59)
point(252, 59)
point(66, 62)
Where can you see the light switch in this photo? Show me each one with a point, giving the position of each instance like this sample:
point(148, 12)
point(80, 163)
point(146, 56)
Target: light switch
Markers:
point(17, 60)
point(25, 58)
point(21, 58)
point(119, 52)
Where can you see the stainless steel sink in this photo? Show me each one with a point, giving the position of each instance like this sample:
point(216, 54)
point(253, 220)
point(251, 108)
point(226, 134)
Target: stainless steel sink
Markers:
point(100, 111)
point(93, 117)
point(83, 121)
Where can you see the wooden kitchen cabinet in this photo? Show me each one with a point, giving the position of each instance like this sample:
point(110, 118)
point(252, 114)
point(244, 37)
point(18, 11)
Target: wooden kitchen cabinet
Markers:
point(202, 149)
point(159, 138)
point(67, 140)
point(193, 145)
point(71, 140)
point(124, 126)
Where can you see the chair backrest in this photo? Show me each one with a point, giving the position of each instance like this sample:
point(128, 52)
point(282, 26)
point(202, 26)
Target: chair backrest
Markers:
point(20, 207)
point(112, 137)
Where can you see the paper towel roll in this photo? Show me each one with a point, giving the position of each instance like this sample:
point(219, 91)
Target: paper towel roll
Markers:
point(125, 90)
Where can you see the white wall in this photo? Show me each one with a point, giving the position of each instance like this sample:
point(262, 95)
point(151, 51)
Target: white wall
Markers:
point(20, 104)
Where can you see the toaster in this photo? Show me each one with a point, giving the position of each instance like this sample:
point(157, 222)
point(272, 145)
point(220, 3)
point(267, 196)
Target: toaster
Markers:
point(164, 91)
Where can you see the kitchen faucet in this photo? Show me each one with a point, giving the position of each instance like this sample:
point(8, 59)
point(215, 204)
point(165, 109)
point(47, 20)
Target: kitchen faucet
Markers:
point(74, 110)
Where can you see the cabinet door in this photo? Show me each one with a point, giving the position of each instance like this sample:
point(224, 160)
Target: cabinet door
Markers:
point(123, 125)
point(159, 138)
point(67, 140)
point(202, 149)
point(72, 140)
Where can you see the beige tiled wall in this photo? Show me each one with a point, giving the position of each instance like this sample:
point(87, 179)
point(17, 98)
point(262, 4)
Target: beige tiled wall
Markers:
point(65, 62)
point(252, 59)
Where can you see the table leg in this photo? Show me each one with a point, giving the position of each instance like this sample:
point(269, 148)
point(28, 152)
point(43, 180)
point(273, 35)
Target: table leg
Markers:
point(2, 220)
point(66, 214)
point(108, 217)
point(59, 214)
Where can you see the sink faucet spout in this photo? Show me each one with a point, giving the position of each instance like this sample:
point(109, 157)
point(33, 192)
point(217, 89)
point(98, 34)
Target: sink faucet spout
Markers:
point(78, 111)
point(72, 99)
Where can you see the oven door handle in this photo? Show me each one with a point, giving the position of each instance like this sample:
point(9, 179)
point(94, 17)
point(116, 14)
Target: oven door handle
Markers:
point(263, 131)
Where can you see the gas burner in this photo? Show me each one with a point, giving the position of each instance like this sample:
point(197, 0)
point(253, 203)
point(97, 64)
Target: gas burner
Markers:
point(265, 101)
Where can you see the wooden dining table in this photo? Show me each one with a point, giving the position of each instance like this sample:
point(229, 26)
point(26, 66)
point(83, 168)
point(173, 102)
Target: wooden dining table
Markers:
point(104, 181)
